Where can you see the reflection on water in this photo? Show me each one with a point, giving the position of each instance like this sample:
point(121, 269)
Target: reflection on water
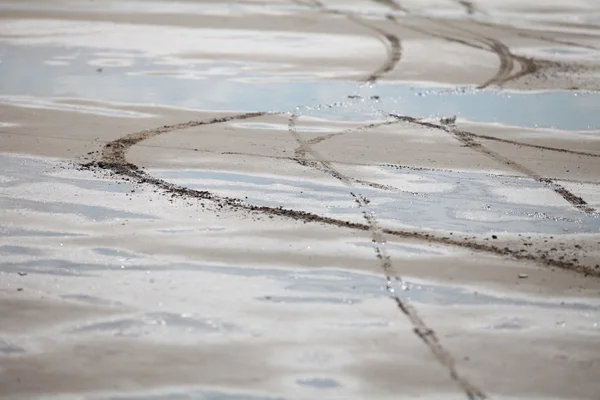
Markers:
point(31, 102)
point(137, 325)
point(96, 213)
point(114, 253)
point(174, 394)
point(309, 299)
point(318, 383)
point(21, 173)
point(132, 77)
point(228, 9)
point(9, 349)
point(470, 204)
point(15, 232)
point(20, 250)
point(314, 286)
point(405, 249)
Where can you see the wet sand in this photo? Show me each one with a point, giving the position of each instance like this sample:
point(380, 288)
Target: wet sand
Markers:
point(299, 199)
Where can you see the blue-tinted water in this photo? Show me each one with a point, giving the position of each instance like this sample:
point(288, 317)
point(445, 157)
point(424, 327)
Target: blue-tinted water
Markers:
point(199, 85)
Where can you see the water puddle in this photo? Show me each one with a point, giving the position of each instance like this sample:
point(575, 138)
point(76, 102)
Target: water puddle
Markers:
point(461, 202)
point(136, 77)
point(300, 286)
point(405, 249)
point(86, 298)
point(16, 232)
point(237, 9)
point(20, 250)
point(309, 299)
point(10, 349)
point(139, 325)
point(29, 184)
point(318, 383)
point(162, 41)
point(283, 127)
point(94, 213)
point(170, 394)
point(61, 105)
point(114, 253)
point(188, 230)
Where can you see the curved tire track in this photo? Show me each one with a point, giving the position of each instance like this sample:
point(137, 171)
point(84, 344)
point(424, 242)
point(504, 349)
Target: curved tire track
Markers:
point(113, 159)
point(531, 35)
point(507, 60)
point(391, 42)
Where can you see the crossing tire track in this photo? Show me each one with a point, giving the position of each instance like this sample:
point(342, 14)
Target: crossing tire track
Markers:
point(113, 159)
point(420, 328)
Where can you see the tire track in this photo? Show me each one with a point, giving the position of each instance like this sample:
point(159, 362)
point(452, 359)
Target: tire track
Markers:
point(468, 140)
point(529, 34)
point(367, 183)
point(466, 134)
point(506, 63)
point(392, 4)
point(534, 146)
point(527, 66)
point(506, 58)
point(394, 51)
point(446, 37)
point(469, 6)
point(304, 147)
point(113, 160)
point(576, 201)
point(391, 42)
point(420, 328)
point(300, 151)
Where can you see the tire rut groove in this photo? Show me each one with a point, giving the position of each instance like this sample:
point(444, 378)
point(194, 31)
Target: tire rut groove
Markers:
point(468, 140)
point(420, 328)
point(469, 6)
point(505, 74)
point(392, 42)
point(113, 159)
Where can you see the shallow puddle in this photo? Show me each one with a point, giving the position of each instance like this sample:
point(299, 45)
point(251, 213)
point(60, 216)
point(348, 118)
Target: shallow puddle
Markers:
point(461, 202)
point(295, 286)
point(21, 177)
point(174, 394)
point(137, 325)
point(134, 77)
point(319, 383)
point(156, 7)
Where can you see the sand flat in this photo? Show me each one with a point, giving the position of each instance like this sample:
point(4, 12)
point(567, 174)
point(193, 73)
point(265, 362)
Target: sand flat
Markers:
point(299, 199)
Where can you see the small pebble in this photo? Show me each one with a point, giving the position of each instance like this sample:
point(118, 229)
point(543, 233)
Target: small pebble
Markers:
point(523, 276)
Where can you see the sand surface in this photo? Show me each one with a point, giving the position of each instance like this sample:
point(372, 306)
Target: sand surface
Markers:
point(299, 199)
